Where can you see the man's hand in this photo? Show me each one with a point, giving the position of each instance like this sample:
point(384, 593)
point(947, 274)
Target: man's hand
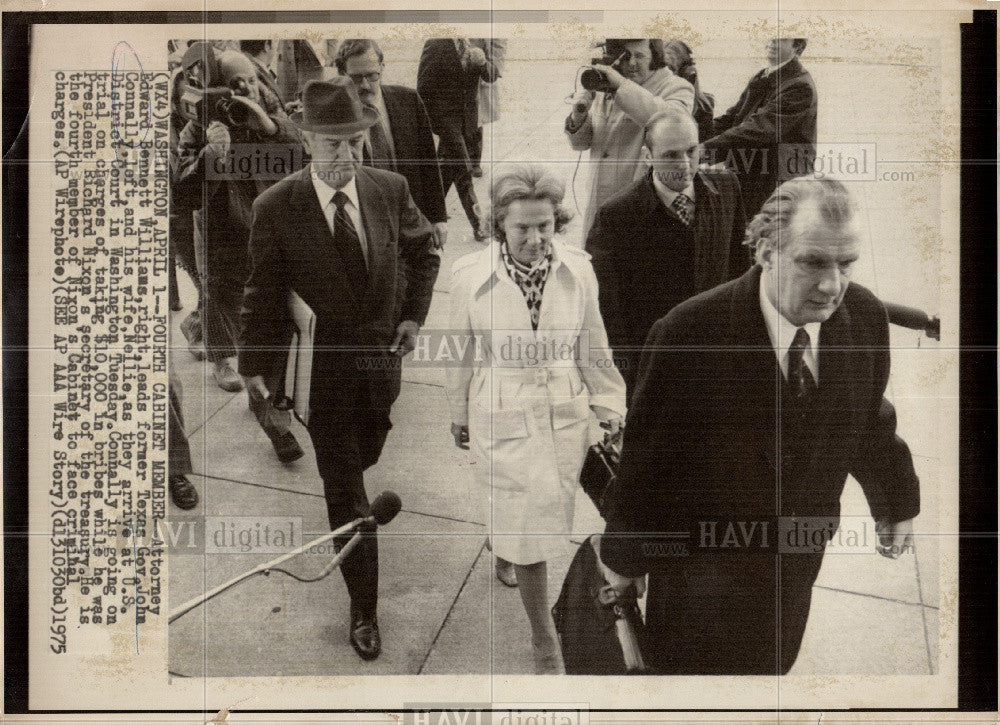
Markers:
point(477, 58)
point(440, 234)
point(461, 434)
point(217, 136)
point(613, 77)
point(406, 338)
point(581, 105)
point(618, 582)
point(257, 118)
point(894, 538)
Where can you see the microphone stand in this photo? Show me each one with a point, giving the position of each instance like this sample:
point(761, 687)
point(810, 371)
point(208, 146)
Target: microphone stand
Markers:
point(266, 567)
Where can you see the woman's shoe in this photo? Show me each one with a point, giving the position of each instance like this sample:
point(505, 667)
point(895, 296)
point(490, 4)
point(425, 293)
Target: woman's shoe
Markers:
point(548, 658)
point(506, 573)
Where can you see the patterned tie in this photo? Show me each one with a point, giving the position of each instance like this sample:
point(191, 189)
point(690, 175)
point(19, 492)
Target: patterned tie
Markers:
point(380, 150)
point(682, 206)
point(799, 376)
point(346, 239)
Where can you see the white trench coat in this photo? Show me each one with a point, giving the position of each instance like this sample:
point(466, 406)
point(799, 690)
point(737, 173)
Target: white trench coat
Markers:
point(527, 395)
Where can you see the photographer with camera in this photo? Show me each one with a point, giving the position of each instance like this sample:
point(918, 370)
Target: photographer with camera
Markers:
point(231, 118)
point(622, 91)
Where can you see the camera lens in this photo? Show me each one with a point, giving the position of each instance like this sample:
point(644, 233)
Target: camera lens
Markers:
point(592, 80)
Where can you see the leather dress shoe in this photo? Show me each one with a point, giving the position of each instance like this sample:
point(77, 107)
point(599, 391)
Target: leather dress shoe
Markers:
point(477, 171)
point(506, 573)
point(227, 378)
point(182, 492)
point(287, 448)
point(365, 637)
point(274, 423)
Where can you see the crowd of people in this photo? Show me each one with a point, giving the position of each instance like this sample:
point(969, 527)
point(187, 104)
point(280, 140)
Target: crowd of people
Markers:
point(705, 333)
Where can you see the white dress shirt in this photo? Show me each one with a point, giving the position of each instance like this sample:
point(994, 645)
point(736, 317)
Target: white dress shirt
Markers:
point(782, 332)
point(325, 194)
point(667, 195)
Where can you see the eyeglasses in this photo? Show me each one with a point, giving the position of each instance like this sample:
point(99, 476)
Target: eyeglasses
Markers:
point(372, 77)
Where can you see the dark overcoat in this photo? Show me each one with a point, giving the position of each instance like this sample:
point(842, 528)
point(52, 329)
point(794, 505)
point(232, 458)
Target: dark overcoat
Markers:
point(637, 257)
point(416, 156)
point(357, 313)
point(710, 437)
point(769, 135)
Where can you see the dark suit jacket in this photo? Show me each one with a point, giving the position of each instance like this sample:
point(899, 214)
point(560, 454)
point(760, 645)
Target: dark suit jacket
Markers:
point(769, 136)
point(445, 87)
point(291, 248)
point(634, 263)
point(416, 158)
point(702, 445)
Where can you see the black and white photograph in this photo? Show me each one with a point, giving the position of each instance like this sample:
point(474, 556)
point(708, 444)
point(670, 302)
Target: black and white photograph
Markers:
point(511, 316)
point(395, 371)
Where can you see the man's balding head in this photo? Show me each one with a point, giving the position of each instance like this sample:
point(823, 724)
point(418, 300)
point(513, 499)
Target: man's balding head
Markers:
point(239, 74)
point(672, 139)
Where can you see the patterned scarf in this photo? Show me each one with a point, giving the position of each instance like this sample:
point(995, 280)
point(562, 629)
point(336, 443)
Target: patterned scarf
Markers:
point(530, 279)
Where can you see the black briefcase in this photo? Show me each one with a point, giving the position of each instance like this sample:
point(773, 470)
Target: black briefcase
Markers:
point(598, 630)
point(598, 473)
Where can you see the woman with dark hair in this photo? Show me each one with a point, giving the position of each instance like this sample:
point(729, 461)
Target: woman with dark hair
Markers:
point(535, 372)
point(610, 124)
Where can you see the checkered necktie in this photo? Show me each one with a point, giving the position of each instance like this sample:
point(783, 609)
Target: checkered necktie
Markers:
point(683, 207)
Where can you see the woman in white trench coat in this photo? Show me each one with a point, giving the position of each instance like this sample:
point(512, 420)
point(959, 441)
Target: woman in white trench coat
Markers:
point(536, 370)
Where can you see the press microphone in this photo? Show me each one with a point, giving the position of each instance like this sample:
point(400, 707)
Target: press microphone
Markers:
point(385, 507)
point(383, 510)
point(913, 319)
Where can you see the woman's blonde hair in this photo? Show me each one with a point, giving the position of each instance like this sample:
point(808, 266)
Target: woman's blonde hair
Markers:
point(525, 182)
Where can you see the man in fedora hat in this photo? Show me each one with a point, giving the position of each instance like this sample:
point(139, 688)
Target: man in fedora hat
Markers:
point(351, 243)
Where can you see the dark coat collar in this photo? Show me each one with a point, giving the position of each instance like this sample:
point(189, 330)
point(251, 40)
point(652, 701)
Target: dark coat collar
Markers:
point(788, 72)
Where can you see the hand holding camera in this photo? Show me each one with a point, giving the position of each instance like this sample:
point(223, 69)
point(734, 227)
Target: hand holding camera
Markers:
point(477, 58)
point(217, 137)
point(243, 111)
point(605, 73)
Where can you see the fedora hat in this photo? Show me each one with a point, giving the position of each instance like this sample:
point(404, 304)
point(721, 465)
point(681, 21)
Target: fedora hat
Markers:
point(333, 107)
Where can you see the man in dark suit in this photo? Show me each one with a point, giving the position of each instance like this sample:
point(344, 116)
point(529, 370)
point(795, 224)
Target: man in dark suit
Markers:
point(672, 234)
point(769, 136)
point(350, 242)
point(754, 402)
point(448, 82)
point(402, 141)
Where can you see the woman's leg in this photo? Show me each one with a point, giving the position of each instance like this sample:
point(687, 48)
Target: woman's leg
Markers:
point(532, 581)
